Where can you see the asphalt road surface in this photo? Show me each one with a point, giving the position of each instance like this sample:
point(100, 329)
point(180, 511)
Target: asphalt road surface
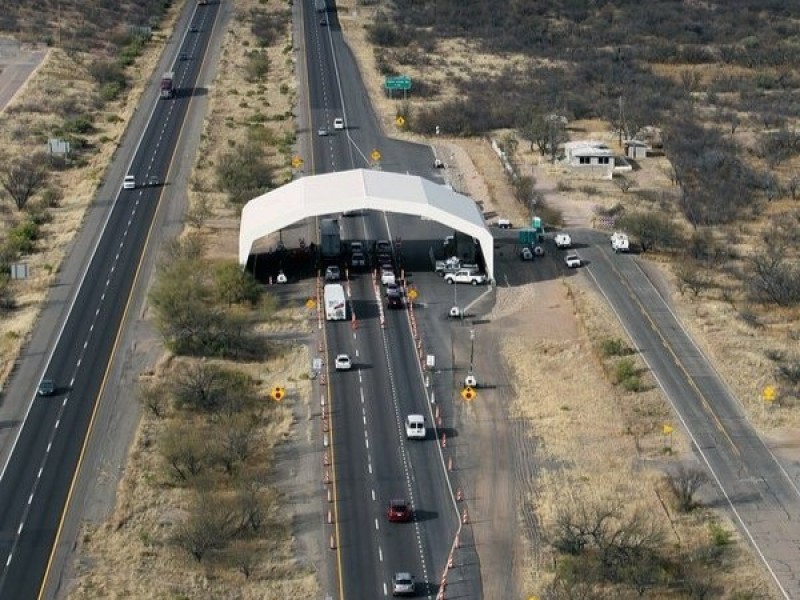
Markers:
point(754, 487)
point(37, 477)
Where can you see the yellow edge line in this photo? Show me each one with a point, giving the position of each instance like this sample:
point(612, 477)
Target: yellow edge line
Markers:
point(115, 347)
point(677, 362)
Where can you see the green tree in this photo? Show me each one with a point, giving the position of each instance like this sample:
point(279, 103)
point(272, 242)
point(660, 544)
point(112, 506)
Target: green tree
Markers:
point(233, 285)
point(653, 230)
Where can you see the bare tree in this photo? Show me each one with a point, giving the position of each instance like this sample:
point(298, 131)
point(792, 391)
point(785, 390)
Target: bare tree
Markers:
point(623, 183)
point(691, 277)
point(21, 178)
point(184, 450)
point(684, 483)
point(153, 397)
point(207, 528)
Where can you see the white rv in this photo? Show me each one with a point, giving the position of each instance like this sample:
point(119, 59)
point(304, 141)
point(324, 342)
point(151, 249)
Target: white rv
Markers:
point(335, 303)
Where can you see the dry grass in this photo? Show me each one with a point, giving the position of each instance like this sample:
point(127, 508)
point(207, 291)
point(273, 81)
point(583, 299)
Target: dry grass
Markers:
point(131, 555)
point(623, 451)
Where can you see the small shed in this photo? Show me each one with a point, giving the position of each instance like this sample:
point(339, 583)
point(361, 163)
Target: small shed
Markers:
point(636, 149)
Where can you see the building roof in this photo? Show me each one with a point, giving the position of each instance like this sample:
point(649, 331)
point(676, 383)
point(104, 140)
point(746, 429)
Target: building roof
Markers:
point(587, 148)
point(362, 189)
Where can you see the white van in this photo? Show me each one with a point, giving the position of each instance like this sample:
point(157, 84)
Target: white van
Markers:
point(129, 183)
point(415, 427)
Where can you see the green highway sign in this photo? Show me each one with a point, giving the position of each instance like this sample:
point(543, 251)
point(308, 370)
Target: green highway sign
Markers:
point(398, 83)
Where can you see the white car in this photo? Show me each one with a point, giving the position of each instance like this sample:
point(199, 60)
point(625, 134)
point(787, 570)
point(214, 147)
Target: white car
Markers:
point(129, 183)
point(573, 261)
point(343, 362)
point(563, 240)
point(415, 427)
point(387, 276)
point(338, 123)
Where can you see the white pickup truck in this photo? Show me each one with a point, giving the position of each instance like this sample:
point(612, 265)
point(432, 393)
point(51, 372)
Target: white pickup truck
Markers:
point(465, 276)
point(451, 265)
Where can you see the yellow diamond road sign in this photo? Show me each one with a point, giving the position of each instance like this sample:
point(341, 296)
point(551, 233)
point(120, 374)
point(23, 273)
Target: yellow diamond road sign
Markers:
point(400, 121)
point(412, 293)
point(468, 393)
point(310, 303)
point(297, 162)
point(376, 156)
point(277, 393)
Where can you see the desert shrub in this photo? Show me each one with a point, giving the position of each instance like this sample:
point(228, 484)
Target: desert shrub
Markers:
point(257, 66)
point(684, 483)
point(22, 238)
point(267, 26)
point(615, 347)
point(243, 173)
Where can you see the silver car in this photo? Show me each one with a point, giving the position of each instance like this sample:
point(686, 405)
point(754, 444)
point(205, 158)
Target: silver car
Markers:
point(403, 584)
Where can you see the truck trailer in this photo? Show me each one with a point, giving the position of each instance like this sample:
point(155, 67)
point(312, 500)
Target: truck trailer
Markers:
point(167, 89)
point(335, 303)
point(330, 238)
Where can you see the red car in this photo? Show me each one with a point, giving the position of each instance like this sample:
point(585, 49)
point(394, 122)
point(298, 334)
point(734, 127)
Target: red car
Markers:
point(399, 511)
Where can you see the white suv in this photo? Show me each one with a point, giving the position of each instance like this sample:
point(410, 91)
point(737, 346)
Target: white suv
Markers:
point(415, 427)
point(338, 123)
point(129, 183)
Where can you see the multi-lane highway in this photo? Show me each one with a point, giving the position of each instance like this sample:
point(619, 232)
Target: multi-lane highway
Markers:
point(372, 460)
point(760, 494)
point(44, 454)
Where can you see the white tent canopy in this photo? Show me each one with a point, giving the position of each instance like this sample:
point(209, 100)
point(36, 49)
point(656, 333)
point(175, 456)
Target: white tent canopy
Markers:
point(362, 189)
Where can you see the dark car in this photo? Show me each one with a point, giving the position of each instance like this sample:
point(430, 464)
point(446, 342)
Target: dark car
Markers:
point(47, 387)
point(399, 511)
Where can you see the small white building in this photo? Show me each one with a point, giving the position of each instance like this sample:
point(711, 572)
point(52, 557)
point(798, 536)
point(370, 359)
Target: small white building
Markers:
point(635, 149)
point(594, 158)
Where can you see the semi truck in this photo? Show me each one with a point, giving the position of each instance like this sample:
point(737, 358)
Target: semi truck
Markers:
point(320, 5)
point(330, 238)
point(335, 303)
point(167, 89)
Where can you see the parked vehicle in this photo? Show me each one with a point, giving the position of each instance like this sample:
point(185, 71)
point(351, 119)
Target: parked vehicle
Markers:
point(465, 276)
point(383, 246)
point(167, 89)
point(452, 265)
point(335, 303)
point(620, 242)
point(504, 223)
point(563, 240)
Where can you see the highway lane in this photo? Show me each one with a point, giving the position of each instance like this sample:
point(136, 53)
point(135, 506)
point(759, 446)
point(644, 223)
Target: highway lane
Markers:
point(762, 497)
point(37, 478)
